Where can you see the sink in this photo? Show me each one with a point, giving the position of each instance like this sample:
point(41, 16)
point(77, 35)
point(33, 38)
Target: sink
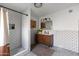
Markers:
point(46, 32)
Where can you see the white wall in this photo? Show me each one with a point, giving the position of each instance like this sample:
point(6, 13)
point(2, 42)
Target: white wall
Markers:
point(34, 30)
point(26, 30)
point(78, 35)
point(65, 28)
point(69, 20)
point(15, 35)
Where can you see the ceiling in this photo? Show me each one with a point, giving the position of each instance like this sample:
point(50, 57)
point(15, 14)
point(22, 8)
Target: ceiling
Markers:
point(47, 8)
point(21, 7)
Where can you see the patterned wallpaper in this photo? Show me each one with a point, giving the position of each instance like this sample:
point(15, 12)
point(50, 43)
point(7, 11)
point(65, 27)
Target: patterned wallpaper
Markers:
point(66, 39)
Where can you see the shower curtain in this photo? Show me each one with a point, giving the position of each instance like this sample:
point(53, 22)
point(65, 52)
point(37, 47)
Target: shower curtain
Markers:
point(4, 30)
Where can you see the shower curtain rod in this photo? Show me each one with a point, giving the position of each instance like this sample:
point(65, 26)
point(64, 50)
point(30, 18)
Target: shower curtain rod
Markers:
point(13, 10)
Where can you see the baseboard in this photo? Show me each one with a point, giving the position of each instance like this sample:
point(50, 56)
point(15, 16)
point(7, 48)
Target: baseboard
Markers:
point(66, 49)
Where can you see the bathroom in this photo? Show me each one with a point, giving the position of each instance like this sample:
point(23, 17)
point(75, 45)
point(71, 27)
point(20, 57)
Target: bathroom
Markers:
point(29, 25)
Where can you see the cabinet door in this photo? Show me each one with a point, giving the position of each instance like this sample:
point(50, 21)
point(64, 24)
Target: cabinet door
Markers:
point(47, 40)
point(39, 38)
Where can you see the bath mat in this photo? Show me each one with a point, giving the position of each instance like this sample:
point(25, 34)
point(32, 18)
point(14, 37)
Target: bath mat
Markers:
point(43, 50)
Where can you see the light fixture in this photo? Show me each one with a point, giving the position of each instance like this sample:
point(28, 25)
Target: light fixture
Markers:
point(37, 5)
point(70, 11)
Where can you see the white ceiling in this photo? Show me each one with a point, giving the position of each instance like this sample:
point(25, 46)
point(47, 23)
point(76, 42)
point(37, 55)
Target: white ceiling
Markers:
point(47, 8)
point(16, 6)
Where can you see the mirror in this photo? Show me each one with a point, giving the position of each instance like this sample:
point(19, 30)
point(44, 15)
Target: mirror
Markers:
point(46, 23)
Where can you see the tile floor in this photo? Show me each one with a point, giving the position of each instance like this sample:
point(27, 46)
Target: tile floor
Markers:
point(58, 52)
point(15, 51)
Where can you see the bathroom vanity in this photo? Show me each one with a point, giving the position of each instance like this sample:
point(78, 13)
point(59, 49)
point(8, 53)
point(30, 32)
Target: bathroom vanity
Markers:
point(45, 39)
point(45, 36)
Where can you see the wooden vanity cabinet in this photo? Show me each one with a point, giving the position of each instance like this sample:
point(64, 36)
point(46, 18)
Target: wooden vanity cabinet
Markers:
point(45, 39)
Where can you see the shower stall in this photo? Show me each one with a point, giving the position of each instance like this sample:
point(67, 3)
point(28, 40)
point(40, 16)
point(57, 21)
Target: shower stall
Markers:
point(19, 32)
point(15, 32)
